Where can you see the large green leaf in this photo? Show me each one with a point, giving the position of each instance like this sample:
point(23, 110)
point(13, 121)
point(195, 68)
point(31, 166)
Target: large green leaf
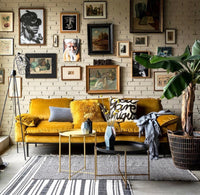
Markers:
point(177, 84)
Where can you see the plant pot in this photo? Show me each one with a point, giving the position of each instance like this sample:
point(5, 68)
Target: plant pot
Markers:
point(185, 150)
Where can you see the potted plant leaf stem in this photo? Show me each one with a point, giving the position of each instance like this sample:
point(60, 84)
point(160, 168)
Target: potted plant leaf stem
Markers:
point(184, 144)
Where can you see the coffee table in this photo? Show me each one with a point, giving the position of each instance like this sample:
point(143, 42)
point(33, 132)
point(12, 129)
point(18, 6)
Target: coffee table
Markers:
point(122, 147)
point(70, 134)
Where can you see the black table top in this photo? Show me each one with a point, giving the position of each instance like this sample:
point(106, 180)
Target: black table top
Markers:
point(122, 146)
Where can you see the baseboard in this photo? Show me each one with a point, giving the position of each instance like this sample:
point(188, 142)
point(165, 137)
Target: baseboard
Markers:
point(4, 143)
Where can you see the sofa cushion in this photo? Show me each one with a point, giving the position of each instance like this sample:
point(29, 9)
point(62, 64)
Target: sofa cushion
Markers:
point(40, 107)
point(49, 128)
point(129, 128)
point(28, 119)
point(79, 108)
point(60, 114)
point(165, 120)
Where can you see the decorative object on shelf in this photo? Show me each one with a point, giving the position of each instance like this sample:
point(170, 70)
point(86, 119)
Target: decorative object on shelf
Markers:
point(140, 40)
point(138, 70)
point(55, 40)
point(12, 93)
point(71, 50)
point(102, 62)
point(146, 16)
point(2, 75)
point(41, 65)
point(69, 22)
point(94, 9)
point(103, 79)
point(6, 47)
point(170, 36)
point(6, 21)
point(71, 73)
point(123, 49)
point(86, 126)
point(109, 137)
point(161, 78)
point(164, 51)
point(34, 17)
point(100, 38)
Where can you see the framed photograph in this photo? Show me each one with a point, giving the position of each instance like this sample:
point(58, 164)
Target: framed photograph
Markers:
point(41, 65)
point(161, 78)
point(15, 91)
point(94, 9)
point(140, 40)
point(123, 49)
point(170, 36)
point(100, 38)
point(164, 51)
point(103, 79)
point(70, 73)
point(31, 26)
point(146, 16)
point(71, 50)
point(69, 22)
point(55, 40)
point(2, 75)
point(6, 21)
point(138, 70)
point(6, 47)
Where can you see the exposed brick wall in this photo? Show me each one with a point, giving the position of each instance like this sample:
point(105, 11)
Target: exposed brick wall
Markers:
point(181, 15)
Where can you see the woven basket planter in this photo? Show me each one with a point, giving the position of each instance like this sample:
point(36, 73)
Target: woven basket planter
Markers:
point(185, 151)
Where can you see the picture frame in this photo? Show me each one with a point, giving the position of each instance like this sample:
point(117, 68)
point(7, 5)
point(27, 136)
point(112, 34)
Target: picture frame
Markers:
point(164, 51)
point(55, 40)
point(41, 65)
point(170, 36)
point(123, 49)
point(6, 21)
point(6, 47)
point(2, 75)
point(32, 26)
point(144, 19)
point(71, 73)
point(140, 41)
point(161, 78)
point(69, 22)
point(98, 44)
point(11, 90)
point(71, 50)
point(138, 70)
point(103, 79)
point(94, 9)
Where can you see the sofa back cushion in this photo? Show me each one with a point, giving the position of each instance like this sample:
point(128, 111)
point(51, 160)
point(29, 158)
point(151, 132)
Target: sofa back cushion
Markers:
point(40, 107)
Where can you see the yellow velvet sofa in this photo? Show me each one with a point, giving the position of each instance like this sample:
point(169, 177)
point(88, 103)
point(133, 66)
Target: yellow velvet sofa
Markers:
point(37, 128)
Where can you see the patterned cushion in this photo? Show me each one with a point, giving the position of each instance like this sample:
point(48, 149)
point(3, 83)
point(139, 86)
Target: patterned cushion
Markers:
point(127, 109)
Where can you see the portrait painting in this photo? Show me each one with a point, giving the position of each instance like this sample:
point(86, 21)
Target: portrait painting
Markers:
point(146, 16)
point(123, 49)
point(103, 79)
point(6, 21)
point(41, 65)
point(31, 26)
point(164, 51)
point(71, 50)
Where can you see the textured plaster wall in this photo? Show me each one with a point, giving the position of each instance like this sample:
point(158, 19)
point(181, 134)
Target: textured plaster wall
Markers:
point(184, 16)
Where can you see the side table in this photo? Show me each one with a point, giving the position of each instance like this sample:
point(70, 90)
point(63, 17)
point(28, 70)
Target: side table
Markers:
point(70, 134)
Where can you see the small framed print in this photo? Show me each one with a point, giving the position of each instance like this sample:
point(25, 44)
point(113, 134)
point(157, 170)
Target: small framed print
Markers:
point(15, 89)
point(161, 78)
point(55, 40)
point(2, 75)
point(6, 47)
point(69, 22)
point(123, 49)
point(164, 51)
point(70, 73)
point(6, 21)
point(140, 40)
point(94, 9)
point(170, 36)
point(138, 70)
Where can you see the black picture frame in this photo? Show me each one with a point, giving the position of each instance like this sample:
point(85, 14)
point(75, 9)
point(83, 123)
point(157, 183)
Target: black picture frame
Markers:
point(103, 45)
point(41, 65)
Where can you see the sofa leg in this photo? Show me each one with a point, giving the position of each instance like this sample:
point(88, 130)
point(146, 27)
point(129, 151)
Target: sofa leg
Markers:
point(27, 149)
point(35, 145)
point(17, 148)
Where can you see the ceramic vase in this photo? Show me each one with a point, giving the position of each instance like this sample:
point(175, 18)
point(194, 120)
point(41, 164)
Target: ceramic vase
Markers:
point(86, 126)
point(109, 137)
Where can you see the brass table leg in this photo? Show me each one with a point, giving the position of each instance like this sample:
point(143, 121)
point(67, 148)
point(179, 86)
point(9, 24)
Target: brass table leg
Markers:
point(125, 158)
point(59, 153)
point(148, 166)
point(69, 157)
point(84, 153)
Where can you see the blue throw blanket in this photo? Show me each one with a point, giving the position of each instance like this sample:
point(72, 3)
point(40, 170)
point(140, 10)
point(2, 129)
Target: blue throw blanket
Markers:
point(148, 124)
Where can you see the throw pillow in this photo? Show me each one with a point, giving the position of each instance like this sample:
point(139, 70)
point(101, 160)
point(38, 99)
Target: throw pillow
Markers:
point(126, 109)
point(82, 108)
point(58, 114)
point(28, 119)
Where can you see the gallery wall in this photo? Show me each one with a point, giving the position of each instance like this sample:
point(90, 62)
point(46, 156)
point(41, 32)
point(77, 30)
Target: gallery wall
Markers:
point(184, 16)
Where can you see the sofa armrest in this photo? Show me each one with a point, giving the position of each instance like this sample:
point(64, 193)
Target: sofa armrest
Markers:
point(18, 134)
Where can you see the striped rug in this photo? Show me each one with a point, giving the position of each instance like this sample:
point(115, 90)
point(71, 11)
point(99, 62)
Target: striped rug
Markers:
point(25, 184)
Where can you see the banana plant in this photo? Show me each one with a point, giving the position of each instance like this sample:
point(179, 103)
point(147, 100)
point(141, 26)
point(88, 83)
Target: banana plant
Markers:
point(187, 69)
